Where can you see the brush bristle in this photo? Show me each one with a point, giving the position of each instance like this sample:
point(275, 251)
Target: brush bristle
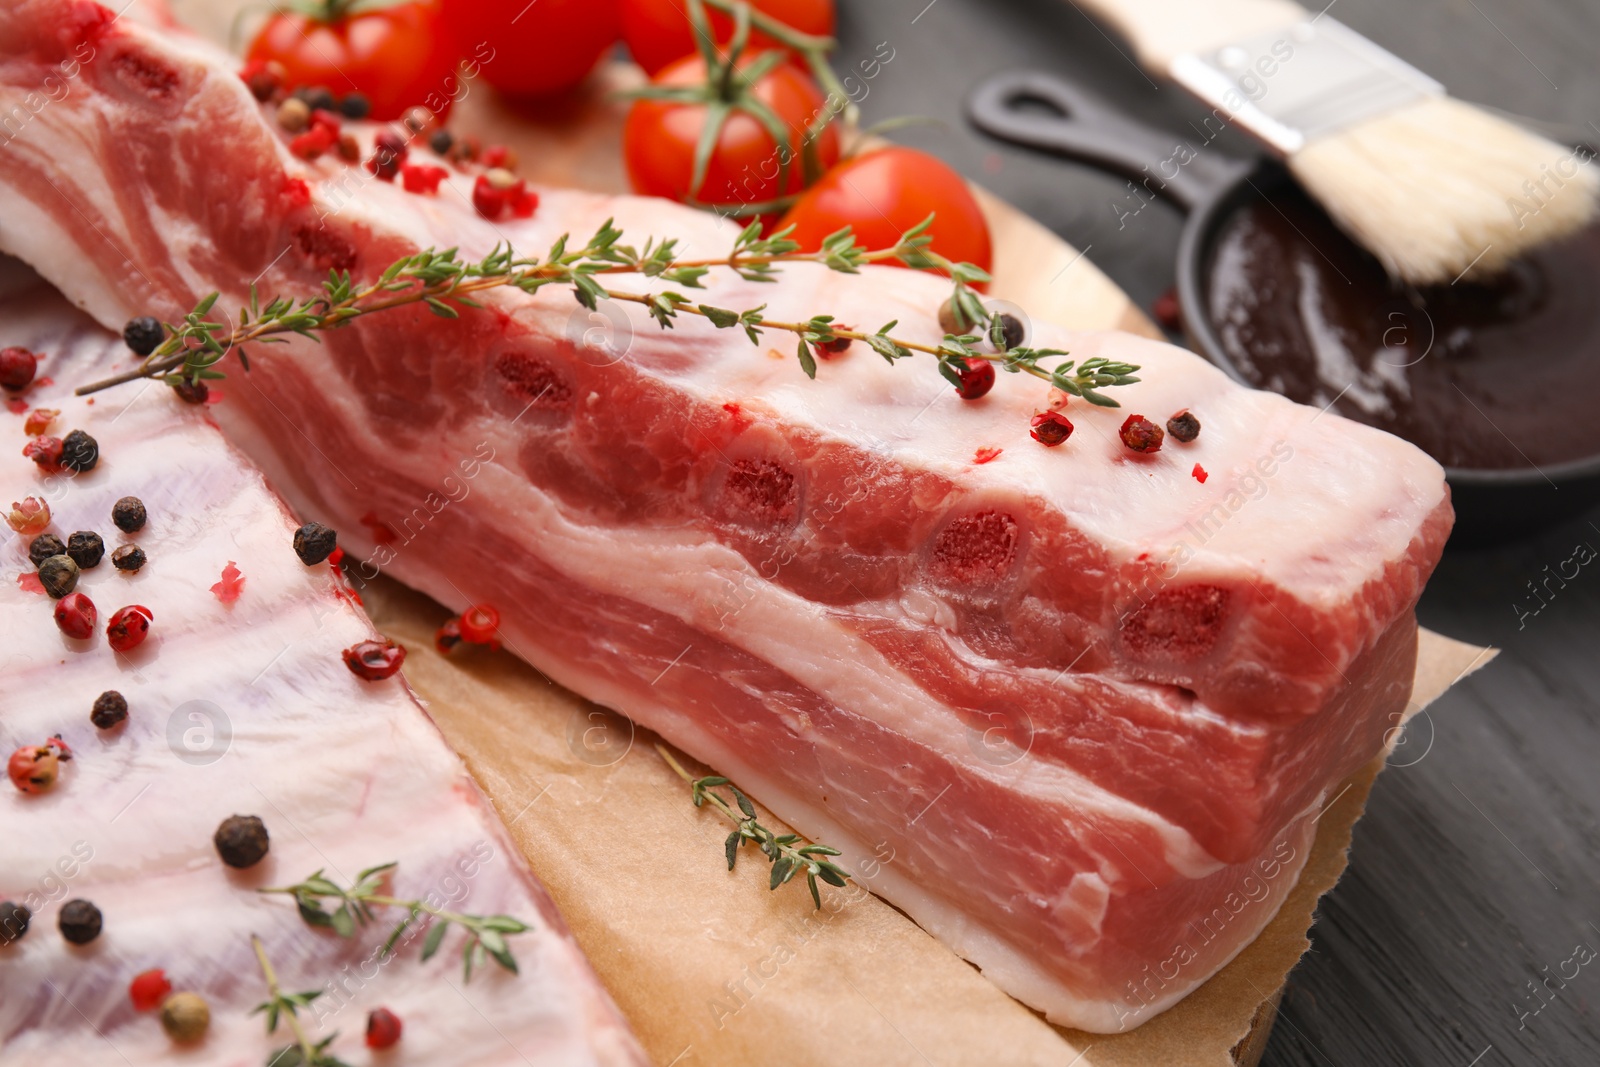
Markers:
point(1440, 188)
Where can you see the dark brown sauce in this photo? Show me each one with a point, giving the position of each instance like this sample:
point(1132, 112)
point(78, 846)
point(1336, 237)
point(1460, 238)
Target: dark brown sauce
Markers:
point(1480, 376)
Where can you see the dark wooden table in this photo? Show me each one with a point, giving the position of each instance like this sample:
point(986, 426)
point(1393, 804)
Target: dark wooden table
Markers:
point(1474, 873)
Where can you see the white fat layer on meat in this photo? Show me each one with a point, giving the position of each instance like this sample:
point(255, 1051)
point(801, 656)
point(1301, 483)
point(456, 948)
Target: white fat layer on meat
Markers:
point(346, 774)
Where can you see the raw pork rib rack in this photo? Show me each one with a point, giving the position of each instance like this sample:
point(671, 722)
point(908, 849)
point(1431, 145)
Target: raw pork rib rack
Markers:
point(1093, 704)
point(241, 708)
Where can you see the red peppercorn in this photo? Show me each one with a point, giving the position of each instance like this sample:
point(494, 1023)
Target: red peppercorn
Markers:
point(1142, 435)
point(17, 367)
point(488, 198)
point(1050, 428)
point(374, 660)
point(76, 616)
point(39, 420)
point(524, 201)
point(422, 177)
point(45, 451)
point(383, 1028)
point(479, 624)
point(389, 152)
point(497, 191)
point(35, 768)
point(314, 142)
point(232, 585)
point(264, 77)
point(837, 346)
point(148, 989)
point(976, 375)
point(128, 627)
point(448, 636)
point(498, 155)
point(326, 120)
point(1167, 310)
point(28, 516)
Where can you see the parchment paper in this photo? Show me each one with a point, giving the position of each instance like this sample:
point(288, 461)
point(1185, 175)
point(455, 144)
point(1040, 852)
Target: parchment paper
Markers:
point(713, 969)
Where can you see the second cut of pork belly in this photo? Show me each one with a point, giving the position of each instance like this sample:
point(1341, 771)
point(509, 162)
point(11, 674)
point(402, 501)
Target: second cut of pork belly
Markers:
point(1082, 694)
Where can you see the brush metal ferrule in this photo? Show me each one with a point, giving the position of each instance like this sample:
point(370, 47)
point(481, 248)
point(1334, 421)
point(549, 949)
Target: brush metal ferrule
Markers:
point(1301, 82)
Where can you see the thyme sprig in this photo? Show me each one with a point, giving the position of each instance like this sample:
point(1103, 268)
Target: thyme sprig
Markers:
point(286, 1007)
point(486, 934)
point(444, 283)
point(786, 852)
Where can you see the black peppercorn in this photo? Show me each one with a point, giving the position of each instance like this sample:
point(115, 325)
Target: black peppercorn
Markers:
point(355, 106)
point(441, 141)
point(86, 548)
point(317, 98)
point(110, 708)
point(241, 840)
point(1183, 426)
point(79, 451)
point(128, 558)
point(80, 921)
point(43, 547)
point(192, 392)
point(13, 921)
point(143, 334)
point(1008, 333)
point(128, 514)
point(314, 543)
point(59, 576)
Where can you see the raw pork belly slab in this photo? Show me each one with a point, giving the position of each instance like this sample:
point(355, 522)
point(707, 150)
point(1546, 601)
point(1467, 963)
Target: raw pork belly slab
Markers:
point(1092, 703)
point(241, 708)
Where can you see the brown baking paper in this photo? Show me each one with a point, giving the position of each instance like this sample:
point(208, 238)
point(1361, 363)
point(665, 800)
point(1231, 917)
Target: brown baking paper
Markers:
point(714, 970)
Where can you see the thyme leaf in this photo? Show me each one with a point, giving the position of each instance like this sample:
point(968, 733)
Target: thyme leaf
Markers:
point(785, 852)
point(324, 903)
point(281, 1006)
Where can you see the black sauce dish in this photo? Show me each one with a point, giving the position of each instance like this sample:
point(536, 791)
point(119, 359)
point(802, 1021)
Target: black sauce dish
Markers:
point(1499, 381)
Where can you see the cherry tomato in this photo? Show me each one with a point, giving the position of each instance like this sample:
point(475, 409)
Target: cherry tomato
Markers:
point(397, 57)
point(885, 193)
point(532, 49)
point(658, 31)
point(660, 137)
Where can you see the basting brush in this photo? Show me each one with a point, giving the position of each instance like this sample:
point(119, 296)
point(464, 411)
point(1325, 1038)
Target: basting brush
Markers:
point(1434, 187)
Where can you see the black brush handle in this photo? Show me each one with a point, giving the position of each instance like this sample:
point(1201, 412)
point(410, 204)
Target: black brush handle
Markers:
point(1079, 126)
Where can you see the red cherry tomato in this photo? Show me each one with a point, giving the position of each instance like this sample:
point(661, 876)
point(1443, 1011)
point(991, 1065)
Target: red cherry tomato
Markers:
point(397, 57)
point(658, 31)
point(532, 49)
point(660, 136)
point(885, 193)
